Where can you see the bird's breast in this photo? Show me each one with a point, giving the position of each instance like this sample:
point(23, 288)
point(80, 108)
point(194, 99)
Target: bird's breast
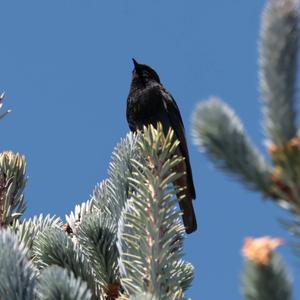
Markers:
point(144, 107)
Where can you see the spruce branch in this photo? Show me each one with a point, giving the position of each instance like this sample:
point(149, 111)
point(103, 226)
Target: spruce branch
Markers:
point(215, 126)
point(270, 282)
point(110, 195)
point(120, 169)
point(75, 217)
point(219, 132)
point(27, 230)
point(278, 70)
point(279, 39)
point(101, 197)
point(58, 283)
point(264, 275)
point(97, 236)
point(93, 224)
point(12, 184)
point(143, 296)
point(17, 274)
point(54, 247)
point(150, 234)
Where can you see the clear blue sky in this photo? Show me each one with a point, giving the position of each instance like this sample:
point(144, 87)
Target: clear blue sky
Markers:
point(66, 66)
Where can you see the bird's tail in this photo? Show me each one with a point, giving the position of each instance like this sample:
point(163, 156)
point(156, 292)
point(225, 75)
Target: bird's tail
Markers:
point(188, 215)
point(185, 196)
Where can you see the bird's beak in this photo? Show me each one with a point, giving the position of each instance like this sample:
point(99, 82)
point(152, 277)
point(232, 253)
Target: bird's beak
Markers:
point(135, 63)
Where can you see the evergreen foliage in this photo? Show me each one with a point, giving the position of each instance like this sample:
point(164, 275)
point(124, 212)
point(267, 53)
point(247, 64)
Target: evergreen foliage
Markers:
point(95, 255)
point(230, 148)
point(57, 283)
point(126, 240)
point(17, 273)
point(266, 282)
point(150, 213)
point(97, 236)
point(12, 184)
point(28, 229)
point(278, 49)
point(219, 133)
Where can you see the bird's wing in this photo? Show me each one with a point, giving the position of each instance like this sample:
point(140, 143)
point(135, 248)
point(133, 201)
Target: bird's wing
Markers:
point(172, 108)
point(178, 127)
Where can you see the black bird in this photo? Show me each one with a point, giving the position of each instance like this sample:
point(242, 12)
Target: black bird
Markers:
point(149, 103)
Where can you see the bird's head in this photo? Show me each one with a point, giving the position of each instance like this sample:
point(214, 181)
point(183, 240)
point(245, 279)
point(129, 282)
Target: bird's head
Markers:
point(143, 73)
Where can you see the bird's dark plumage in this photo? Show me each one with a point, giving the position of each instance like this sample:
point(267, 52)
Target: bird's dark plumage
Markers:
point(149, 103)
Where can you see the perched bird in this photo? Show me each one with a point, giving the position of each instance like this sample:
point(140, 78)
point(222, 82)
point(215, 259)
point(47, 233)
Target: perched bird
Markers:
point(149, 103)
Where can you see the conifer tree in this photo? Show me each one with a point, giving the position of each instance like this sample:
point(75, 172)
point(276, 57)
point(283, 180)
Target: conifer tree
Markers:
point(125, 242)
